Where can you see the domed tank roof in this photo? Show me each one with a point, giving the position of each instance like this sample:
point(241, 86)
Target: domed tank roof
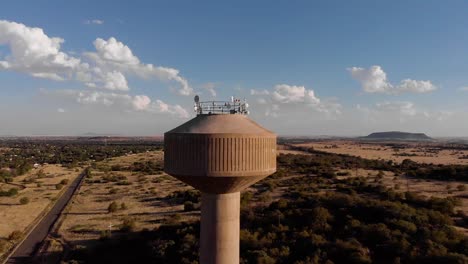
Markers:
point(221, 124)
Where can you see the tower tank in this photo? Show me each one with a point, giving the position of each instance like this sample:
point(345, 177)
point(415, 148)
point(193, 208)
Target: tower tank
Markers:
point(220, 152)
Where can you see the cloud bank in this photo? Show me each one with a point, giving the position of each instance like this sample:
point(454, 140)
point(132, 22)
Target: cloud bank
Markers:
point(34, 53)
point(374, 80)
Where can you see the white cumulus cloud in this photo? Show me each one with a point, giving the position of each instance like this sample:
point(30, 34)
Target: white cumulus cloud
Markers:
point(113, 54)
point(141, 102)
point(284, 93)
point(115, 51)
point(115, 80)
point(374, 80)
point(126, 102)
point(35, 53)
point(290, 97)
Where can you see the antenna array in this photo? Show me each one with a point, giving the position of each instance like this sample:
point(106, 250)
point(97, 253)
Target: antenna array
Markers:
point(235, 106)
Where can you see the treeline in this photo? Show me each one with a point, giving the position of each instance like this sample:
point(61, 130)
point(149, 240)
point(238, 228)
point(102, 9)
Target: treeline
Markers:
point(148, 167)
point(437, 172)
point(343, 161)
point(320, 162)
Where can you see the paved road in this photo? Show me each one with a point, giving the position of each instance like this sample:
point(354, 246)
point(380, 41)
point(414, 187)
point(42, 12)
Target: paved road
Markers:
point(24, 252)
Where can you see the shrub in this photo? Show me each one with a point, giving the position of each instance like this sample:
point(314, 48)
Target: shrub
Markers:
point(41, 174)
point(116, 167)
point(113, 191)
point(58, 186)
point(343, 173)
point(380, 175)
point(105, 234)
point(461, 187)
point(88, 172)
point(174, 220)
point(15, 235)
point(2, 245)
point(125, 182)
point(11, 192)
point(245, 199)
point(128, 225)
point(123, 206)
point(64, 181)
point(189, 206)
point(113, 207)
point(24, 200)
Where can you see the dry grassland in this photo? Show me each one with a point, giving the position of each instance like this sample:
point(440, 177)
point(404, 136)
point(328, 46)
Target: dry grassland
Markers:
point(41, 192)
point(424, 153)
point(88, 215)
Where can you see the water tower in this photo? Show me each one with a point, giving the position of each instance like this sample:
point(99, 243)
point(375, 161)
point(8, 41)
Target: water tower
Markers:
point(220, 152)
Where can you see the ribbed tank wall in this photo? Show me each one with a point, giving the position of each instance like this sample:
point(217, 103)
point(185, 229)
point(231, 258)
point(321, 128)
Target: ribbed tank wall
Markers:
point(219, 155)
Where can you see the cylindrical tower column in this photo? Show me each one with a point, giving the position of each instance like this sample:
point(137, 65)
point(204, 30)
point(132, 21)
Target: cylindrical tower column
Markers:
point(219, 234)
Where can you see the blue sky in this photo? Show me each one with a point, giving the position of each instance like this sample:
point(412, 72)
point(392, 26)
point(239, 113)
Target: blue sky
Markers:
point(306, 67)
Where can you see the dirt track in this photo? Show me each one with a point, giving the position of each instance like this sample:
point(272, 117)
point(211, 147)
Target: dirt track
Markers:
point(23, 253)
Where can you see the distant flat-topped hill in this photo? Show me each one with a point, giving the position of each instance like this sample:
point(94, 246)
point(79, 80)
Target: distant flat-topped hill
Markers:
point(396, 135)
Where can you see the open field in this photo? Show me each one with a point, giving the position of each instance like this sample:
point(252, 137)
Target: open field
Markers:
point(397, 152)
point(143, 195)
point(39, 187)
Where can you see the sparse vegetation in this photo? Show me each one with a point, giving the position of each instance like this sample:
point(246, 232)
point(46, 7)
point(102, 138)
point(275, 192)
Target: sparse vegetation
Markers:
point(11, 192)
point(128, 225)
point(24, 200)
point(113, 207)
point(3, 245)
point(64, 181)
point(15, 235)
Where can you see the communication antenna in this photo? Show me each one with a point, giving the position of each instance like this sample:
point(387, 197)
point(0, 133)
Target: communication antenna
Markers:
point(235, 106)
point(197, 107)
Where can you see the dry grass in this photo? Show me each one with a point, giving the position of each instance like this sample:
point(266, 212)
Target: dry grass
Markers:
point(13, 215)
point(41, 193)
point(424, 151)
point(88, 215)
